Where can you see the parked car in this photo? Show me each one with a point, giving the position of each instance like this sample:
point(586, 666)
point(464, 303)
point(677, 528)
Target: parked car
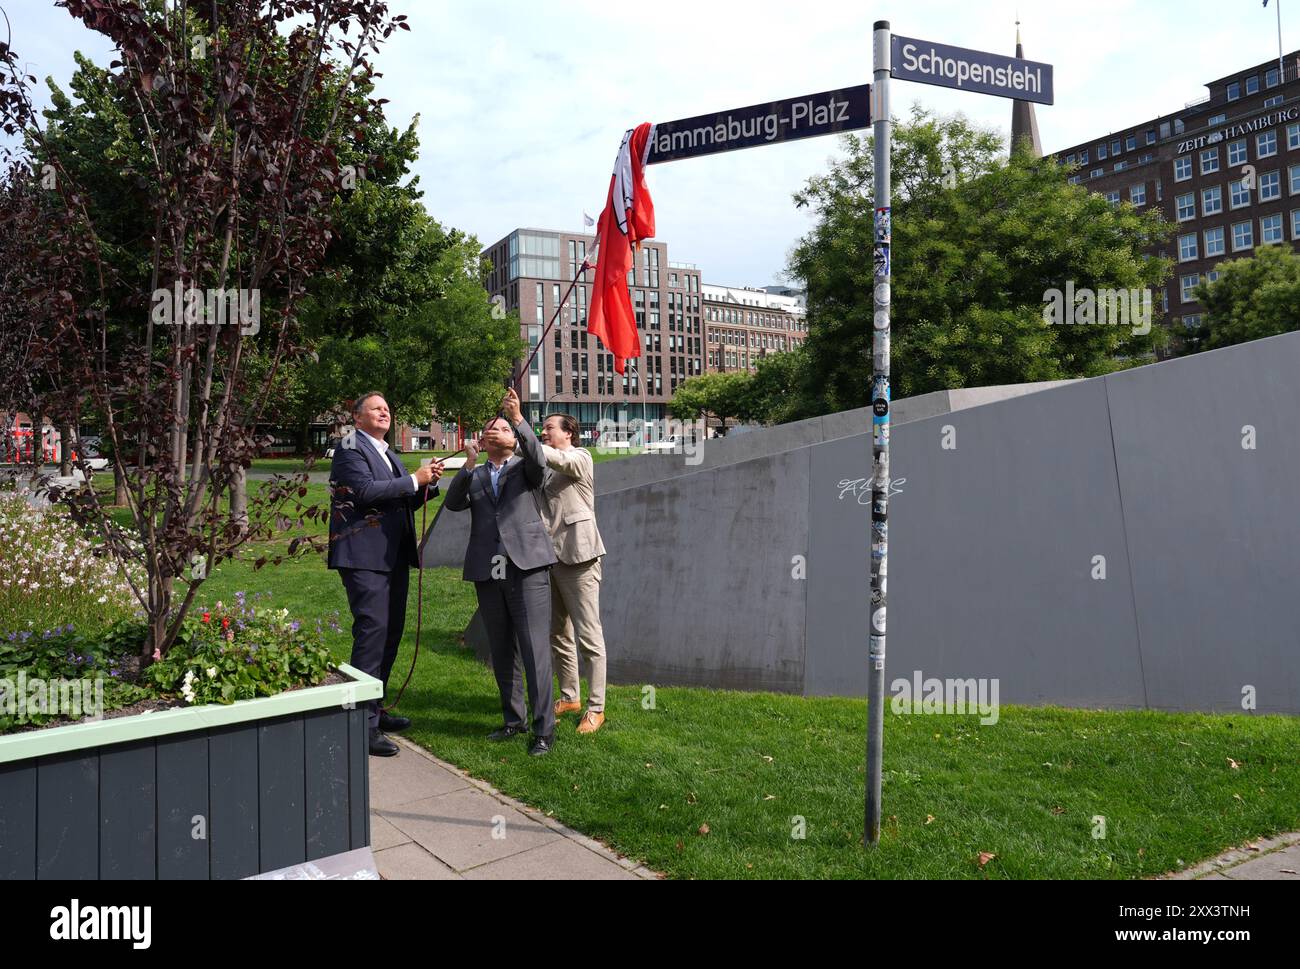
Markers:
point(668, 444)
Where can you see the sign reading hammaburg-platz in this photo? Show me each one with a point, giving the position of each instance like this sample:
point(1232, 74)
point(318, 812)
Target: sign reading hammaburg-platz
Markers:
point(970, 70)
point(808, 116)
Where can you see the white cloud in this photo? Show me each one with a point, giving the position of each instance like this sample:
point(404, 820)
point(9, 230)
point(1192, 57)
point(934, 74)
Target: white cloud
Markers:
point(523, 104)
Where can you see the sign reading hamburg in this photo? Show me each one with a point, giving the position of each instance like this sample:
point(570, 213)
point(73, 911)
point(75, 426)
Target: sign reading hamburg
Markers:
point(762, 124)
point(970, 70)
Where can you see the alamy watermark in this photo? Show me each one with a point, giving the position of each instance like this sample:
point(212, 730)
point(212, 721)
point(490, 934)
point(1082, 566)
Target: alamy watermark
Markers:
point(950, 696)
point(1104, 307)
point(667, 436)
point(68, 698)
point(215, 307)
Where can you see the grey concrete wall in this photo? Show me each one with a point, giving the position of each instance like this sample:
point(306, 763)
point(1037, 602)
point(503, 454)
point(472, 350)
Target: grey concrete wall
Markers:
point(995, 545)
point(444, 542)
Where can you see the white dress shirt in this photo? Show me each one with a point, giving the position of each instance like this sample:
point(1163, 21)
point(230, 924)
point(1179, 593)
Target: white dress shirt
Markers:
point(382, 447)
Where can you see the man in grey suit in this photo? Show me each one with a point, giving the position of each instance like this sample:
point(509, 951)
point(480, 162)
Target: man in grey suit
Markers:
point(509, 559)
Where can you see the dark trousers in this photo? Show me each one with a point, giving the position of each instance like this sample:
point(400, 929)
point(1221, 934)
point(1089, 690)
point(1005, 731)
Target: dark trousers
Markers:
point(378, 604)
point(516, 612)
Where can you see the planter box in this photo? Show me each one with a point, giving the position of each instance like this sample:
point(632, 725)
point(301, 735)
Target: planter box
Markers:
point(197, 792)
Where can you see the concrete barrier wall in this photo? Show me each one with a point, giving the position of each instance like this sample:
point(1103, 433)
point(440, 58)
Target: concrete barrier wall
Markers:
point(1100, 543)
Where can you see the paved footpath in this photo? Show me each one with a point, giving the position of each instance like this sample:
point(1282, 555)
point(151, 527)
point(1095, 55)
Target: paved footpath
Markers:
point(429, 819)
point(1261, 860)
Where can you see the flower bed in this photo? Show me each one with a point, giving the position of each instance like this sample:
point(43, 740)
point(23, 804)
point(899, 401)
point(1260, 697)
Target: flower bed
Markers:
point(222, 655)
point(52, 574)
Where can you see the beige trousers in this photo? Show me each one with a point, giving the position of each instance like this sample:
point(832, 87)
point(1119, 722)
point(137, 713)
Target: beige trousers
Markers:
point(575, 614)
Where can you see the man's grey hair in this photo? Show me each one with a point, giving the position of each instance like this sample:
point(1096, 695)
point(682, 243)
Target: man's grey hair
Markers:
point(359, 404)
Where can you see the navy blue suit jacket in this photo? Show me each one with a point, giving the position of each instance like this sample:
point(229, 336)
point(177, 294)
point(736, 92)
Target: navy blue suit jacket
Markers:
point(372, 510)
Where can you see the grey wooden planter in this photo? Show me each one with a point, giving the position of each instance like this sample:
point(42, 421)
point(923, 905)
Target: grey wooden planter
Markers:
point(199, 792)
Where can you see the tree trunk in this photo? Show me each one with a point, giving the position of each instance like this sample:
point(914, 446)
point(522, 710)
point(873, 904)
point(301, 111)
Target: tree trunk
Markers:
point(119, 484)
point(65, 450)
point(239, 501)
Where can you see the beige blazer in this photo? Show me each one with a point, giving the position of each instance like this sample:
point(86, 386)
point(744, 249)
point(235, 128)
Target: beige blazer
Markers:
point(570, 492)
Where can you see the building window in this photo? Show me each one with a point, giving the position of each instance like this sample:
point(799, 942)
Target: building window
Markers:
point(1295, 223)
point(1265, 144)
point(1270, 77)
point(1083, 157)
point(1145, 158)
point(1209, 161)
point(1151, 137)
point(1164, 129)
point(1101, 151)
point(1293, 135)
point(1112, 198)
point(1130, 142)
point(1216, 119)
point(1270, 229)
point(1160, 190)
point(1270, 186)
point(1237, 152)
point(1182, 169)
point(1234, 90)
point(1178, 126)
point(1238, 194)
point(1137, 194)
point(1187, 284)
point(1274, 100)
point(1187, 248)
point(1073, 179)
point(1186, 206)
point(1212, 276)
point(1252, 84)
point(1214, 242)
point(1097, 173)
point(1242, 236)
point(1114, 147)
point(1212, 200)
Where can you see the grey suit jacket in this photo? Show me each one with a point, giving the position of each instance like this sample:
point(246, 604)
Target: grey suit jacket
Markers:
point(511, 523)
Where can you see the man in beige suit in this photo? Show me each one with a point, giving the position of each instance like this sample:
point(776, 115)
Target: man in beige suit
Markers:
point(575, 580)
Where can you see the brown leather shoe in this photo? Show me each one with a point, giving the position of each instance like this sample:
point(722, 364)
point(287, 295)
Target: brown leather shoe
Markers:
point(591, 722)
point(567, 706)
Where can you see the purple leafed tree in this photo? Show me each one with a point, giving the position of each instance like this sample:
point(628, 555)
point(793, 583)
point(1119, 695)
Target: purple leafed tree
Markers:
point(175, 342)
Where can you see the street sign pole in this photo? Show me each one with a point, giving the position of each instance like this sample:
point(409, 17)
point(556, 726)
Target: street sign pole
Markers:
point(880, 434)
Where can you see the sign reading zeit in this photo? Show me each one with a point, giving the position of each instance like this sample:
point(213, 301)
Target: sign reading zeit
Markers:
point(970, 70)
point(762, 124)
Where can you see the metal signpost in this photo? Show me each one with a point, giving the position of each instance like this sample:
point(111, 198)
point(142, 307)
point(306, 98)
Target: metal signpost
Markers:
point(847, 109)
point(907, 58)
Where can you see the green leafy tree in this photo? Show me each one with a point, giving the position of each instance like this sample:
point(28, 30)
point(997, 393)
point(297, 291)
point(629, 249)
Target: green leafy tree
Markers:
point(978, 241)
point(716, 396)
point(1253, 298)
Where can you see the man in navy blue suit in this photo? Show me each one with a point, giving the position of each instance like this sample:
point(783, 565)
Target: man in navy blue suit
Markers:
point(372, 543)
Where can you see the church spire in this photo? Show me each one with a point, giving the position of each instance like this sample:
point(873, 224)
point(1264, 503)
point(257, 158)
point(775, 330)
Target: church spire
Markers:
point(1024, 126)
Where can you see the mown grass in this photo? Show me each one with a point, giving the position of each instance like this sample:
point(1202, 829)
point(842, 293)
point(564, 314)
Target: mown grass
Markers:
point(746, 767)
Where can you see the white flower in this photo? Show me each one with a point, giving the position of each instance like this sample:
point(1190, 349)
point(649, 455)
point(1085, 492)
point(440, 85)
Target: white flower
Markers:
point(212, 672)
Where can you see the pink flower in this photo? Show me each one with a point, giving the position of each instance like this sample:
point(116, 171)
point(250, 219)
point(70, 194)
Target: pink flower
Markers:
point(157, 655)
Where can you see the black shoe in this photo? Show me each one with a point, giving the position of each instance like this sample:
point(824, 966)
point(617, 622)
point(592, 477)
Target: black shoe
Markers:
point(541, 746)
point(391, 723)
point(507, 732)
point(381, 746)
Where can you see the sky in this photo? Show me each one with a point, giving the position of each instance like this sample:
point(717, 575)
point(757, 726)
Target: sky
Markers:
point(522, 104)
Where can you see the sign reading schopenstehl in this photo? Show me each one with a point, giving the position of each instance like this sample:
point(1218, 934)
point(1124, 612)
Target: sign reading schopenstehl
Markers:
point(970, 70)
point(808, 116)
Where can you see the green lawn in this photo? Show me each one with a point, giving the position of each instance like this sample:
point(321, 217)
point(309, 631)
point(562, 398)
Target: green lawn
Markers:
point(747, 765)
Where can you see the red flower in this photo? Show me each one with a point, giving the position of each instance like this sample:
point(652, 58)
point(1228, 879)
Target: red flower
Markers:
point(207, 617)
point(225, 622)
